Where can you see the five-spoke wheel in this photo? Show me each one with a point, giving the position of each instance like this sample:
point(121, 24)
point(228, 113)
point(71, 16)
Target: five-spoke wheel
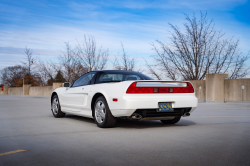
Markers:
point(100, 111)
point(55, 105)
point(103, 116)
point(56, 108)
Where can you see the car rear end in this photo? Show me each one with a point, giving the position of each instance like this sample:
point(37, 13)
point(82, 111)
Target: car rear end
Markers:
point(156, 100)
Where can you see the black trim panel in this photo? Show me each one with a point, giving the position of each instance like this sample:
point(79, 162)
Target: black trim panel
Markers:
point(154, 112)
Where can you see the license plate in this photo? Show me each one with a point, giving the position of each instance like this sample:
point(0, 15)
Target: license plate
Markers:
point(165, 107)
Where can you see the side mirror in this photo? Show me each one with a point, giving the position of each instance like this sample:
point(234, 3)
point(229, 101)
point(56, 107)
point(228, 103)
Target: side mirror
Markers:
point(66, 84)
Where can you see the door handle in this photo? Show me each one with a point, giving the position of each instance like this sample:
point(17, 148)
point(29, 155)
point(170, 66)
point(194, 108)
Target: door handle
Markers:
point(82, 88)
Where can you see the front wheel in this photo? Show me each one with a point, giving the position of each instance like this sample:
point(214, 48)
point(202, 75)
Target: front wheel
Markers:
point(172, 121)
point(56, 108)
point(103, 116)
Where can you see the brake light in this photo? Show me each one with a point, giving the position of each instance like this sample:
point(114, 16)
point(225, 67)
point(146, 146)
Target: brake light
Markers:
point(134, 89)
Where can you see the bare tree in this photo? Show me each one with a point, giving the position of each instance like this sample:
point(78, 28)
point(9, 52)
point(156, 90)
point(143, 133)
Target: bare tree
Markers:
point(90, 56)
point(47, 70)
point(126, 61)
point(33, 73)
point(69, 65)
point(197, 50)
point(70, 62)
point(30, 59)
point(152, 70)
point(10, 76)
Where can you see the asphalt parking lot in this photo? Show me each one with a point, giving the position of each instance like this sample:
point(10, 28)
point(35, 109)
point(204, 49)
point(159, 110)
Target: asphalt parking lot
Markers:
point(214, 134)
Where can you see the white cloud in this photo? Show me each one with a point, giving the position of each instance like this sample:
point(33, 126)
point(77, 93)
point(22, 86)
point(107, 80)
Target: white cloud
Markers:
point(161, 4)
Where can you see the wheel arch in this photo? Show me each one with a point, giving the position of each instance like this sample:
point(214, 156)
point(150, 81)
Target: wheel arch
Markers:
point(95, 97)
point(52, 95)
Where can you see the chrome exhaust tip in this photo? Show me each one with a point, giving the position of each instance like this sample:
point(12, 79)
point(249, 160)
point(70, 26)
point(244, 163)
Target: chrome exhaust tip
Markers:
point(136, 116)
point(187, 114)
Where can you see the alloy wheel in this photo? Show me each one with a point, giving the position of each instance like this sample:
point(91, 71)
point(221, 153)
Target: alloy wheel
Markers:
point(100, 112)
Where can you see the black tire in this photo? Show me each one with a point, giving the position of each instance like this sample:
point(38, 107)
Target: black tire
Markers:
point(56, 108)
point(102, 115)
point(172, 121)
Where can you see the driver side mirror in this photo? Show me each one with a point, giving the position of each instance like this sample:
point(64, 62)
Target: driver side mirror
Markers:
point(66, 84)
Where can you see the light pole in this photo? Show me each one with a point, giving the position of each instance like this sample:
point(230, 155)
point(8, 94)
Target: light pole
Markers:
point(23, 85)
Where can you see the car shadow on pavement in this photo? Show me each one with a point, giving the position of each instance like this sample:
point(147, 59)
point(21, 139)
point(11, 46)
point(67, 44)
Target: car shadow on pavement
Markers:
point(80, 118)
point(125, 123)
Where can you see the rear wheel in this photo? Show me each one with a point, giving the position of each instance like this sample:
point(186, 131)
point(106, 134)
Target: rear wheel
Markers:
point(56, 108)
point(103, 116)
point(172, 121)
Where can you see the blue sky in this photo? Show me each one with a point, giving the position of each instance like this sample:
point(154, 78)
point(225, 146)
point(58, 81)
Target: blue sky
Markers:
point(45, 25)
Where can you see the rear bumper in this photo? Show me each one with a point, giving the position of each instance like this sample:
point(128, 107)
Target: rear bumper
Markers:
point(146, 113)
point(130, 103)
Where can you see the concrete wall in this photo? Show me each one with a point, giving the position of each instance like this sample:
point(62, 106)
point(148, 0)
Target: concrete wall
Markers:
point(34, 91)
point(199, 88)
point(5, 90)
point(215, 87)
point(57, 85)
point(26, 89)
point(234, 90)
point(41, 90)
point(15, 90)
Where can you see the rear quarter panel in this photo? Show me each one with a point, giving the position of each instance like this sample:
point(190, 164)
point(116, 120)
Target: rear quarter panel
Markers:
point(111, 90)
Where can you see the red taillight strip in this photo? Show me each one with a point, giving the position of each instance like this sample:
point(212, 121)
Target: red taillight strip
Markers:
point(134, 89)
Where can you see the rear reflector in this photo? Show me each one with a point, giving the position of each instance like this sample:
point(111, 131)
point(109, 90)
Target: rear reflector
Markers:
point(185, 87)
point(115, 99)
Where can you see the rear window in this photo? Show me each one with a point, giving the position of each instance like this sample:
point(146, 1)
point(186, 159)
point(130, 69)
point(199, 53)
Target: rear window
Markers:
point(118, 77)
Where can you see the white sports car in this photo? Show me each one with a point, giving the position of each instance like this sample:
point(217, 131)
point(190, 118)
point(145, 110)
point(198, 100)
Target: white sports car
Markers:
point(110, 94)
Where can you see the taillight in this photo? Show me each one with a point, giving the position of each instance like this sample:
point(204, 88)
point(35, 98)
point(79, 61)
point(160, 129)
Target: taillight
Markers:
point(134, 89)
point(188, 89)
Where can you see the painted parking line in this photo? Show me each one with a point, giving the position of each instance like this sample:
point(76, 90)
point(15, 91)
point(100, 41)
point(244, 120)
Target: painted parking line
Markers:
point(226, 116)
point(11, 152)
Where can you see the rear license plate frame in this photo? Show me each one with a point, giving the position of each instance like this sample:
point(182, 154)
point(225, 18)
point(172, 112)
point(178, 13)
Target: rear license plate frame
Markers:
point(165, 107)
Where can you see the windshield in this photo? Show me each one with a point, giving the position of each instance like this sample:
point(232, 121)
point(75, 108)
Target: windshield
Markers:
point(122, 76)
